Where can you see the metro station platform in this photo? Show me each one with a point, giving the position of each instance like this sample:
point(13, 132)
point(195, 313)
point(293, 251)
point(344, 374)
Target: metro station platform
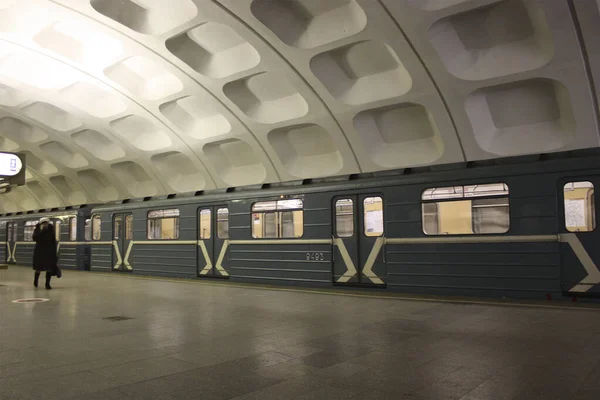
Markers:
point(101, 336)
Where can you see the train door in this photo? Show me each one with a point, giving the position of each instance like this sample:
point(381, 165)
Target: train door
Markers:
point(122, 237)
point(11, 241)
point(580, 236)
point(358, 231)
point(213, 230)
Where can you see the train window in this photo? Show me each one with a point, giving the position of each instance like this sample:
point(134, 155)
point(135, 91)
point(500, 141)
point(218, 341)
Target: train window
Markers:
point(466, 210)
point(163, 224)
point(373, 216)
point(57, 229)
point(129, 227)
point(205, 224)
point(430, 218)
point(287, 224)
point(580, 209)
point(28, 231)
point(117, 222)
point(269, 225)
point(12, 231)
point(490, 215)
point(73, 229)
point(88, 229)
point(278, 219)
point(344, 218)
point(223, 223)
point(96, 227)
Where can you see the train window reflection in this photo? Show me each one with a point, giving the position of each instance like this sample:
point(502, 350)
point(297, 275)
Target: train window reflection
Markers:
point(118, 220)
point(344, 218)
point(73, 229)
point(57, 230)
point(163, 224)
point(466, 210)
point(28, 230)
point(129, 227)
point(96, 227)
point(373, 216)
point(10, 229)
point(580, 209)
point(223, 223)
point(205, 224)
point(278, 219)
point(88, 229)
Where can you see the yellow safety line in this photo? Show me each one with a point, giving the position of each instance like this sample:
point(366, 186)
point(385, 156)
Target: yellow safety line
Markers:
point(329, 292)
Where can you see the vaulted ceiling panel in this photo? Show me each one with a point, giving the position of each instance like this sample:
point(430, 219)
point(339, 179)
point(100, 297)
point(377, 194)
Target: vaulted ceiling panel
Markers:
point(112, 99)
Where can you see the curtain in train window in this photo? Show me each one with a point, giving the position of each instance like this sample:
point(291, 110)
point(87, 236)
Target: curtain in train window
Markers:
point(87, 230)
point(223, 223)
point(163, 224)
point(205, 224)
point(278, 219)
point(73, 229)
point(28, 230)
point(490, 215)
point(344, 218)
point(466, 210)
point(580, 208)
point(373, 216)
point(96, 227)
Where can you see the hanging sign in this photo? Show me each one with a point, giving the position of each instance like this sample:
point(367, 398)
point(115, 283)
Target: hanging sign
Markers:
point(10, 164)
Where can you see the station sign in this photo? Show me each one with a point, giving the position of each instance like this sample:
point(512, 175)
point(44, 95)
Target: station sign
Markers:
point(12, 170)
point(10, 164)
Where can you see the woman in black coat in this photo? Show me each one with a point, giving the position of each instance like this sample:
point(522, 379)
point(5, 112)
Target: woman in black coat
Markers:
point(44, 255)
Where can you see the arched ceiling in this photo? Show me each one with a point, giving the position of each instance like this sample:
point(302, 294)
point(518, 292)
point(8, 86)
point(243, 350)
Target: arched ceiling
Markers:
point(114, 99)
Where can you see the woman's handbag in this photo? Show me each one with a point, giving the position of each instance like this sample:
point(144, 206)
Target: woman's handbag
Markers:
point(58, 272)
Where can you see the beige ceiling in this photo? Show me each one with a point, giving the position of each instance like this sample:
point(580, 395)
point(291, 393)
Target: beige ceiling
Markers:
point(115, 99)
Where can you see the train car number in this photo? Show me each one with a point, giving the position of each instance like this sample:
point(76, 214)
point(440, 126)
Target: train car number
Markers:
point(315, 257)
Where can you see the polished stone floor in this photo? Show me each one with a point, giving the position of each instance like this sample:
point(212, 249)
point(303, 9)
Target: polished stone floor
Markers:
point(213, 341)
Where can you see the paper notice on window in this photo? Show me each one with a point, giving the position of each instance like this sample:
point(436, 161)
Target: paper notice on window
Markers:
point(575, 213)
point(374, 221)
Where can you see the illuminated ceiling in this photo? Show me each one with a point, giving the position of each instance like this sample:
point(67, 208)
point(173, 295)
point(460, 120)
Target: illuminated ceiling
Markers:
point(115, 99)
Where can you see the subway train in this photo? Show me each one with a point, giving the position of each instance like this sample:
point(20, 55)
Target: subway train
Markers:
point(519, 229)
point(72, 233)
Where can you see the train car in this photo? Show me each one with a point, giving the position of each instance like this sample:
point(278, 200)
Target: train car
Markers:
point(518, 230)
point(72, 232)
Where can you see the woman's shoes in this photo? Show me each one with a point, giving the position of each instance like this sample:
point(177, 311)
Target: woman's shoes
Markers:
point(48, 286)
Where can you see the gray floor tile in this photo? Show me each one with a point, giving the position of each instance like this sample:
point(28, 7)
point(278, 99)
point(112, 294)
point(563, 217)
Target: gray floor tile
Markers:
point(287, 370)
point(287, 389)
point(143, 370)
point(329, 393)
point(110, 394)
point(63, 387)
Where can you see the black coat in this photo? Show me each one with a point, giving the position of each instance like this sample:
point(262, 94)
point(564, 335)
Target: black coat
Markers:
point(44, 255)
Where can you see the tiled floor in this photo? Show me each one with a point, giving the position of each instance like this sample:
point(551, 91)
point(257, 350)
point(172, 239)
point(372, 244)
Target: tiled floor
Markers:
point(204, 341)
